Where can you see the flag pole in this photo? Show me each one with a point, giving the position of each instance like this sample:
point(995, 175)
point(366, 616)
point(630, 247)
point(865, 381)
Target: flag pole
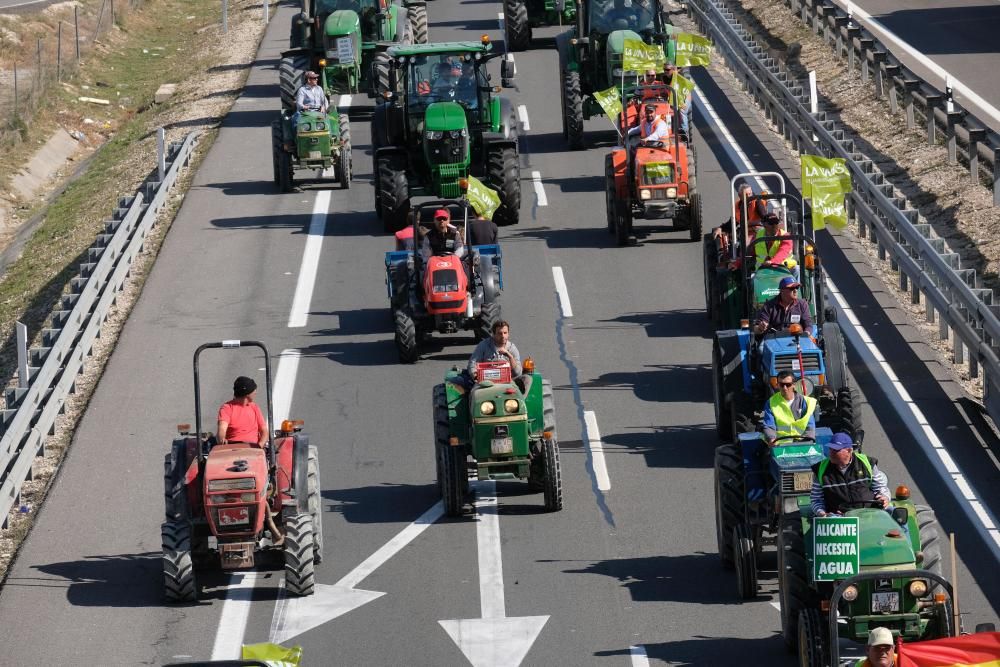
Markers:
point(954, 588)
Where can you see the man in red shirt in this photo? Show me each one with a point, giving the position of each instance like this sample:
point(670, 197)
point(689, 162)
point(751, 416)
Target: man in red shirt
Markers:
point(240, 419)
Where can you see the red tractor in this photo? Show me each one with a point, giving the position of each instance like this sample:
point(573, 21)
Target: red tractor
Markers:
point(651, 179)
point(228, 504)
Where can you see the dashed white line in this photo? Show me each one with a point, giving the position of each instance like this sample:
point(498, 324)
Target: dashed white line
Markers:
point(564, 304)
point(310, 262)
point(536, 181)
point(638, 654)
point(345, 100)
point(596, 447)
point(284, 383)
point(522, 113)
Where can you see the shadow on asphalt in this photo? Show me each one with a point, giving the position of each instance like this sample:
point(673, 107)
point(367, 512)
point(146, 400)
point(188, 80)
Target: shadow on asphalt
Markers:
point(553, 142)
point(680, 383)
point(587, 237)
point(382, 503)
point(661, 324)
point(346, 223)
point(702, 650)
point(671, 446)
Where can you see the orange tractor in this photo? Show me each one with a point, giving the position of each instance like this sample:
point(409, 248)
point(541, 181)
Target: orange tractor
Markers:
point(227, 504)
point(651, 179)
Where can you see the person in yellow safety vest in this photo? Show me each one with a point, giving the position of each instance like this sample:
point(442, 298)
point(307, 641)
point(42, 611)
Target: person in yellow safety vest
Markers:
point(788, 413)
point(773, 253)
point(880, 651)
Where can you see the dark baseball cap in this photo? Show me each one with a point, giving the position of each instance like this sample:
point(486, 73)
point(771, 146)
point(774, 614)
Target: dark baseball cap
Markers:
point(788, 283)
point(243, 386)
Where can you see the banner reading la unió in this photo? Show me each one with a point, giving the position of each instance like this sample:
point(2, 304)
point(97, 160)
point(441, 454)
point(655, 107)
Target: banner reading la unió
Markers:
point(825, 183)
point(610, 101)
point(692, 50)
point(638, 56)
point(482, 198)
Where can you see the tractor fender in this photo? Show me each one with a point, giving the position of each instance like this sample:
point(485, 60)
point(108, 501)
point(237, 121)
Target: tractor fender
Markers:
point(300, 471)
point(734, 361)
point(387, 126)
point(619, 159)
point(414, 3)
point(497, 139)
point(567, 55)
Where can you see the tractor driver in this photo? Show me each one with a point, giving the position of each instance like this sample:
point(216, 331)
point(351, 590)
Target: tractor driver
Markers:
point(846, 478)
point(788, 413)
point(310, 97)
point(240, 420)
point(783, 310)
point(447, 79)
point(444, 238)
point(499, 347)
point(652, 128)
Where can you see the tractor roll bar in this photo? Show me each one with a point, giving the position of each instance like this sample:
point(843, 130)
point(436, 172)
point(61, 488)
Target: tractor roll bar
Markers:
point(462, 203)
point(745, 176)
point(232, 345)
point(842, 586)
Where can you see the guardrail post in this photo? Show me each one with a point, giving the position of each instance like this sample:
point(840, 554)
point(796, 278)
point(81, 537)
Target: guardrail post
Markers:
point(954, 117)
point(977, 135)
point(866, 46)
point(878, 59)
point(22, 355)
point(840, 22)
point(267, 10)
point(909, 87)
point(853, 33)
point(892, 76)
point(827, 12)
point(933, 102)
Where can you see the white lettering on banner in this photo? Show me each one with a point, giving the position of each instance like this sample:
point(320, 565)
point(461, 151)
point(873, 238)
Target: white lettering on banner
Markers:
point(836, 549)
point(836, 530)
point(840, 569)
point(825, 172)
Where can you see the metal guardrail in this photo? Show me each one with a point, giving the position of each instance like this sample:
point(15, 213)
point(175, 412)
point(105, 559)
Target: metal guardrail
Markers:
point(925, 265)
point(31, 412)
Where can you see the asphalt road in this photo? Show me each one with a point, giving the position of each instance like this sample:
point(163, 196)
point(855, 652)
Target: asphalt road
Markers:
point(633, 565)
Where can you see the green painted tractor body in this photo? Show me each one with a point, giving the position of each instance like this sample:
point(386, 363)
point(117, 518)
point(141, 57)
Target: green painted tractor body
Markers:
point(432, 130)
point(520, 16)
point(499, 431)
point(315, 142)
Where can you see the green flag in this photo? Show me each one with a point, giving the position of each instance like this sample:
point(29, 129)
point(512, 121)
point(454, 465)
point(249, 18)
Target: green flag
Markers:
point(610, 100)
point(828, 208)
point(816, 169)
point(273, 654)
point(682, 88)
point(638, 56)
point(692, 50)
point(825, 183)
point(482, 198)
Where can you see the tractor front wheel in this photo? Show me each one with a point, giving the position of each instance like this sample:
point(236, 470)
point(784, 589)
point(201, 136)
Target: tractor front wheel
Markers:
point(728, 500)
point(344, 167)
point(315, 502)
point(406, 336)
point(794, 592)
point(517, 29)
point(179, 583)
point(745, 560)
point(813, 644)
point(394, 189)
point(504, 174)
point(286, 172)
point(553, 475)
point(572, 110)
point(695, 223)
point(609, 191)
point(711, 261)
point(454, 482)
point(623, 222)
point(276, 150)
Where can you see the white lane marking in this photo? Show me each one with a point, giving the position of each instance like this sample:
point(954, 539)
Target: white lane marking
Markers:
point(310, 262)
point(522, 113)
point(564, 304)
point(596, 447)
point(638, 653)
point(492, 603)
point(233, 621)
point(775, 604)
point(536, 181)
point(907, 409)
point(345, 100)
point(284, 384)
point(500, 21)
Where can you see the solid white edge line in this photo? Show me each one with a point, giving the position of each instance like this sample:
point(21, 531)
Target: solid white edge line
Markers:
point(299, 314)
point(564, 304)
point(536, 181)
point(233, 620)
point(638, 654)
point(596, 447)
point(345, 100)
point(522, 113)
point(886, 379)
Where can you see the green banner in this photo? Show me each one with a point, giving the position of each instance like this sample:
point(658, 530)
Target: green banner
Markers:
point(638, 56)
point(692, 50)
point(835, 547)
point(273, 654)
point(484, 199)
point(655, 170)
point(828, 207)
point(611, 101)
point(825, 183)
point(682, 88)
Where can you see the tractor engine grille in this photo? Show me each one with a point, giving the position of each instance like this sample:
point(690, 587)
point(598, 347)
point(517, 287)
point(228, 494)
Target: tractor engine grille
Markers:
point(448, 175)
point(448, 149)
point(810, 363)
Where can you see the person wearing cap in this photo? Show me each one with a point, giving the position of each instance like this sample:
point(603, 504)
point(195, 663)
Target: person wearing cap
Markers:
point(444, 238)
point(880, 650)
point(773, 253)
point(310, 97)
point(652, 128)
point(846, 479)
point(240, 419)
point(783, 310)
point(788, 413)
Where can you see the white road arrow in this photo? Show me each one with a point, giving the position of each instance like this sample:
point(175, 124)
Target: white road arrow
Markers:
point(493, 640)
point(293, 616)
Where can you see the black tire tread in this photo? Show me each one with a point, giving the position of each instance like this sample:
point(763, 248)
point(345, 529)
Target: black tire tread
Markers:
point(299, 545)
point(504, 176)
point(516, 25)
point(572, 110)
point(179, 582)
point(728, 498)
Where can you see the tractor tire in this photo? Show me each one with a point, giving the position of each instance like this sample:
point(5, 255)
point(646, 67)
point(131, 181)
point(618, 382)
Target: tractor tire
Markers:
point(623, 222)
point(742, 419)
point(394, 189)
point(174, 488)
point(930, 542)
point(299, 547)
point(794, 591)
point(609, 191)
point(417, 14)
point(344, 165)
point(553, 475)
point(517, 29)
point(489, 314)
point(406, 336)
point(835, 356)
point(454, 482)
point(276, 150)
point(379, 74)
point(314, 500)
point(286, 172)
point(572, 110)
point(814, 648)
point(728, 500)
point(723, 418)
point(745, 559)
point(290, 72)
point(695, 221)
point(442, 431)
point(848, 412)
point(179, 583)
point(710, 257)
point(829, 314)
point(504, 175)
point(548, 408)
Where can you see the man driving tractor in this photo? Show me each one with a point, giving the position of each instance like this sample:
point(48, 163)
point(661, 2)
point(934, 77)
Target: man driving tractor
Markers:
point(783, 310)
point(496, 348)
point(240, 419)
point(847, 478)
point(788, 413)
point(444, 238)
point(652, 128)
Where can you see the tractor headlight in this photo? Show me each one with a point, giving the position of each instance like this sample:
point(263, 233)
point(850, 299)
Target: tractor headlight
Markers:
point(645, 194)
point(455, 134)
point(320, 126)
point(433, 135)
point(247, 483)
point(918, 588)
point(305, 127)
point(850, 593)
point(511, 405)
point(671, 193)
point(487, 407)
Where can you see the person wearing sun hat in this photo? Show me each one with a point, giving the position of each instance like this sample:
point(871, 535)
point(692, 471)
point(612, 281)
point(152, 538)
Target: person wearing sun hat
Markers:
point(783, 310)
point(846, 479)
point(879, 652)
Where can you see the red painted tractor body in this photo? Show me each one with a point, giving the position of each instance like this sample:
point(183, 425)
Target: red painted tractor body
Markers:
point(446, 287)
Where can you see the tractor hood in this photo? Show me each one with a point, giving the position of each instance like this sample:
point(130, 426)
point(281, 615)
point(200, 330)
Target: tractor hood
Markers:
point(497, 393)
point(883, 541)
point(226, 465)
point(342, 22)
point(779, 353)
point(443, 116)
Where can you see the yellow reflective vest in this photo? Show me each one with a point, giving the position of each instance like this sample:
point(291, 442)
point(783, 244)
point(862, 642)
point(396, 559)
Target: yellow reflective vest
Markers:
point(785, 423)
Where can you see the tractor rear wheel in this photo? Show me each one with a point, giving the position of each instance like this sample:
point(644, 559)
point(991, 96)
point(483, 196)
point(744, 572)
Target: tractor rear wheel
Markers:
point(745, 559)
point(379, 74)
point(572, 110)
point(455, 480)
point(550, 452)
point(344, 167)
point(179, 583)
point(406, 336)
point(848, 412)
point(504, 174)
point(175, 466)
point(723, 420)
point(813, 643)
point(695, 224)
point(290, 72)
point(728, 499)
point(794, 591)
point(276, 150)
point(442, 431)
point(286, 171)
point(394, 189)
point(299, 547)
point(609, 191)
point(836, 357)
point(517, 30)
point(315, 502)
point(417, 14)
point(930, 541)
point(489, 315)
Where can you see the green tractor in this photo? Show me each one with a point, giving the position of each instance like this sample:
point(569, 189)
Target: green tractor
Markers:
point(507, 427)
point(311, 141)
point(884, 571)
point(591, 55)
point(520, 16)
point(441, 120)
point(345, 42)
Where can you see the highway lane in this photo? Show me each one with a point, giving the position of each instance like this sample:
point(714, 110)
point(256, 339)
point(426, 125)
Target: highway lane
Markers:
point(633, 565)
